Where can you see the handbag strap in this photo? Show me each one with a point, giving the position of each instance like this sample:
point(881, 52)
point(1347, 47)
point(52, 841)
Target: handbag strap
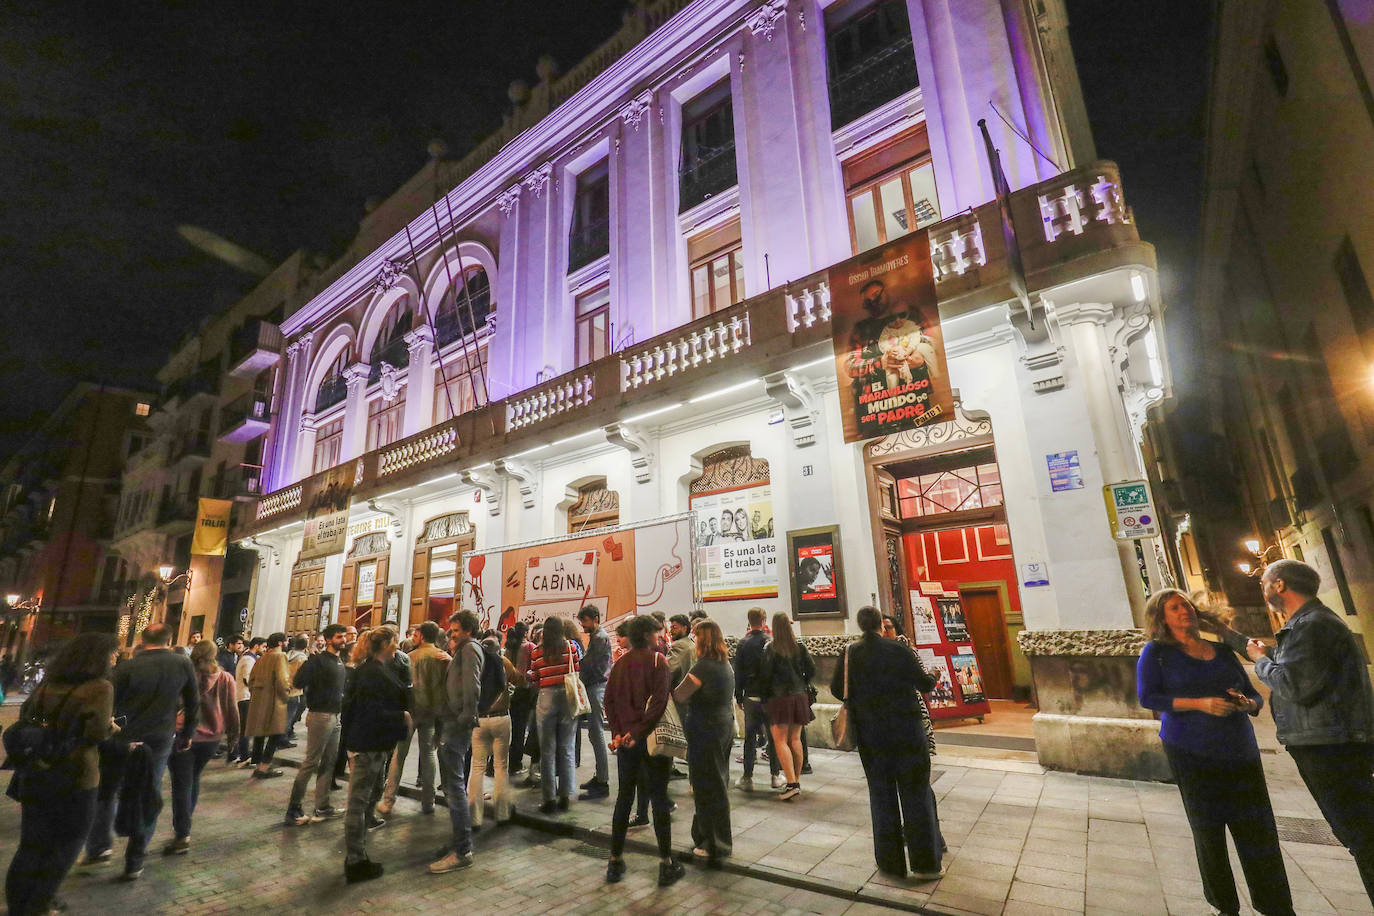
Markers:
point(847, 650)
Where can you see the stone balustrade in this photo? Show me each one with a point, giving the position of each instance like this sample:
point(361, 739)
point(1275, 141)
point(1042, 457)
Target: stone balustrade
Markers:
point(565, 393)
point(283, 500)
point(418, 449)
point(703, 342)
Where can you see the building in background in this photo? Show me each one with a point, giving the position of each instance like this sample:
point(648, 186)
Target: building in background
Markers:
point(618, 309)
point(1272, 458)
point(58, 501)
point(206, 442)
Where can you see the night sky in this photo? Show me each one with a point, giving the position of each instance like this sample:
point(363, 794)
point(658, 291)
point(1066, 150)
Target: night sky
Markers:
point(271, 124)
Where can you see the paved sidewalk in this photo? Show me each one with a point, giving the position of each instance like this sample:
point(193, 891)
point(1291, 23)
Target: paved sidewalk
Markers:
point(1021, 840)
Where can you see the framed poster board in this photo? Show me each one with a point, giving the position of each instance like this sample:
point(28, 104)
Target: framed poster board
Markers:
point(813, 568)
point(326, 611)
point(392, 612)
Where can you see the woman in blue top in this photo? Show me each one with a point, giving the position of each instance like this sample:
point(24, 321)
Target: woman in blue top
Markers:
point(1205, 700)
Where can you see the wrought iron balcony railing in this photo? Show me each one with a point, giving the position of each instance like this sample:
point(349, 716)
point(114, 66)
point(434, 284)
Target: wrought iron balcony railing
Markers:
point(881, 77)
point(396, 354)
point(712, 172)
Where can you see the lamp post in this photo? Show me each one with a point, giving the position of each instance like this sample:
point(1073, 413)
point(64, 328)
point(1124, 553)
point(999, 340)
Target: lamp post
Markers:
point(1254, 546)
point(166, 580)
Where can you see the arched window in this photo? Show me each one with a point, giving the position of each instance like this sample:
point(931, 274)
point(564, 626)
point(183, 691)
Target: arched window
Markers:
point(333, 389)
point(453, 319)
point(390, 346)
point(596, 507)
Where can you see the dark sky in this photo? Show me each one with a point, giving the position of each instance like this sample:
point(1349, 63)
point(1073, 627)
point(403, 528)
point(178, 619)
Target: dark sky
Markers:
point(270, 124)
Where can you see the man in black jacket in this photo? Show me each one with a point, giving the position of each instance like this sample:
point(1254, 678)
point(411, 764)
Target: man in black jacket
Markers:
point(747, 658)
point(322, 678)
point(879, 687)
point(149, 690)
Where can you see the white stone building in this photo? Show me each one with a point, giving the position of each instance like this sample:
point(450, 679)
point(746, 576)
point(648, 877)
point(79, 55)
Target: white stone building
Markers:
point(638, 261)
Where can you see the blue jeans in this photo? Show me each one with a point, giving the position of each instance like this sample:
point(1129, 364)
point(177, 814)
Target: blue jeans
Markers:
point(756, 726)
point(596, 732)
point(185, 767)
point(557, 732)
point(454, 747)
point(102, 831)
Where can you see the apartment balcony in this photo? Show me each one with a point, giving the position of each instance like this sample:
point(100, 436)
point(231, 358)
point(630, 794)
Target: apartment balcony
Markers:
point(176, 515)
point(243, 483)
point(881, 77)
point(1073, 226)
point(201, 383)
point(191, 449)
point(255, 346)
point(244, 418)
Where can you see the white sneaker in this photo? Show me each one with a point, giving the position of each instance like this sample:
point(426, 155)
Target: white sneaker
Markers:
point(745, 784)
point(701, 852)
point(779, 781)
point(928, 875)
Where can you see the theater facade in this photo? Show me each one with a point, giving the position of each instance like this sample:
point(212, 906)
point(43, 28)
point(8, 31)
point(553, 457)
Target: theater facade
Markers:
point(596, 358)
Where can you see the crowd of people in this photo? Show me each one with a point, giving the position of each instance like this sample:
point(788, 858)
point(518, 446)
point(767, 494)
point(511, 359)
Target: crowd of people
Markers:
point(486, 705)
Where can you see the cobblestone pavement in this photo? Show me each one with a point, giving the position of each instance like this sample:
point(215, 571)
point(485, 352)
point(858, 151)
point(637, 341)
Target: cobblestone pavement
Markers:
point(1022, 841)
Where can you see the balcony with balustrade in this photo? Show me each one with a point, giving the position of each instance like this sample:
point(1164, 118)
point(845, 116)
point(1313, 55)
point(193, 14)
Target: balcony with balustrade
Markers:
point(1070, 227)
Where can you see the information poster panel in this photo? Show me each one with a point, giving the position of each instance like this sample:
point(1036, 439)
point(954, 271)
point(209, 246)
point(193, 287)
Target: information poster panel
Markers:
point(737, 552)
point(944, 645)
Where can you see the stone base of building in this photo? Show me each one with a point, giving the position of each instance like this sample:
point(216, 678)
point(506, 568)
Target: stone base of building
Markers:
point(1100, 746)
point(1090, 720)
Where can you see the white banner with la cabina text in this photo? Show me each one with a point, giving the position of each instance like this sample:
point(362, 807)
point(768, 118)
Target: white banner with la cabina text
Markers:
point(566, 576)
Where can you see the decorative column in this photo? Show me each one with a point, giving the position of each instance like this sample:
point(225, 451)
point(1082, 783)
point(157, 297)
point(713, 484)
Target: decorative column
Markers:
point(305, 449)
point(420, 384)
point(290, 398)
point(508, 287)
point(355, 412)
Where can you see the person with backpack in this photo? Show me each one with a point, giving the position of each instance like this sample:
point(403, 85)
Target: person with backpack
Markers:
point(492, 734)
point(784, 672)
point(55, 784)
point(462, 693)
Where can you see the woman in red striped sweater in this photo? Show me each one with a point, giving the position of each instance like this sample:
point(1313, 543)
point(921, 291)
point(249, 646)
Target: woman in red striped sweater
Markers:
point(550, 661)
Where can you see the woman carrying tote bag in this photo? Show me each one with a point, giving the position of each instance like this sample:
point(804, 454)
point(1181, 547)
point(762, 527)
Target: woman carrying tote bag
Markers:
point(636, 696)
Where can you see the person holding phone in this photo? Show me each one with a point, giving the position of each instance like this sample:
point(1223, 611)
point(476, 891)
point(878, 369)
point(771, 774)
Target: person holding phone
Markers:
point(1205, 701)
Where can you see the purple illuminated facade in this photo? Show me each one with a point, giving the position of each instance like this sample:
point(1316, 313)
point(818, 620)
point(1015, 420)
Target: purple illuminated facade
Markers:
point(619, 301)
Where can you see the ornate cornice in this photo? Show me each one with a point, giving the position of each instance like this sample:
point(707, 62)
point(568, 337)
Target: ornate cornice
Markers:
point(633, 111)
point(388, 275)
point(418, 338)
point(538, 180)
point(509, 199)
point(766, 18)
point(355, 376)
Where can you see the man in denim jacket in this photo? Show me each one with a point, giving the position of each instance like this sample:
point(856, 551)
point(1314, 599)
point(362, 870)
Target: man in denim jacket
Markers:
point(1322, 705)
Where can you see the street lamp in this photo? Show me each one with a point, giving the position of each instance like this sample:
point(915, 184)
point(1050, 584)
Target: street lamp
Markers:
point(1261, 554)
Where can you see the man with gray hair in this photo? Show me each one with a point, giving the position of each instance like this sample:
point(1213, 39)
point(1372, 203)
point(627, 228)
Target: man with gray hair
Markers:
point(1323, 706)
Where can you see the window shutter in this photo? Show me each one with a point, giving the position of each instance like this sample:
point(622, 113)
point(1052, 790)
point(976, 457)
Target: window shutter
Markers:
point(419, 585)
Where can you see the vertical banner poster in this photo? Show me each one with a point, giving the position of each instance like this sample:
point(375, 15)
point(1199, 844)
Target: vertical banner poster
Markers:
point(889, 349)
point(212, 528)
point(941, 695)
point(952, 617)
point(923, 612)
point(737, 554)
point(966, 673)
point(326, 501)
point(814, 570)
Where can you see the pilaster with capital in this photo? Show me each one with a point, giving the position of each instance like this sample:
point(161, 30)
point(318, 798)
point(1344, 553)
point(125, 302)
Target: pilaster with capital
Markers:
point(282, 447)
point(355, 412)
point(420, 385)
point(305, 448)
